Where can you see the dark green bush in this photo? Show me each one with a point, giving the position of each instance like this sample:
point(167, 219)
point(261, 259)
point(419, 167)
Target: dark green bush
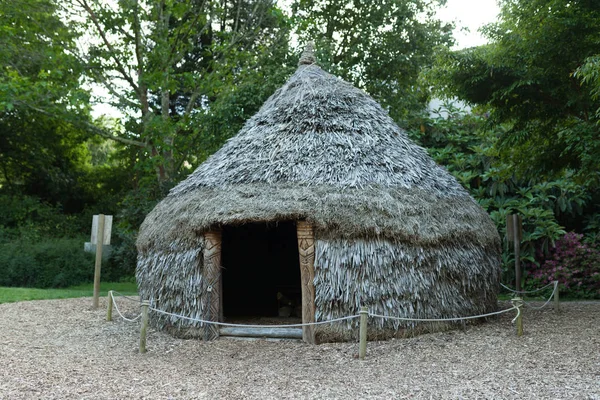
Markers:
point(45, 263)
point(123, 256)
point(29, 218)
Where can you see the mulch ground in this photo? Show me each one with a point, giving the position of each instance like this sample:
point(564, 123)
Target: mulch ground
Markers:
point(63, 349)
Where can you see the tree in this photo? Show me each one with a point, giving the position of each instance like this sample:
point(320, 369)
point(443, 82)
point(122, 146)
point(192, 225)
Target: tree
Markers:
point(41, 154)
point(168, 64)
point(461, 142)
point(378, 45)
point(39, 71)
point(589, 74)
point(528, 77)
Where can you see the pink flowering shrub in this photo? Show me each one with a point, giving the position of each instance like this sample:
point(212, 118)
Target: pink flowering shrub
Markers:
point(574, 264)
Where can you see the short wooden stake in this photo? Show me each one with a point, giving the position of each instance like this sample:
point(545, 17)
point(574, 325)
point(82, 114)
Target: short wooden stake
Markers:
point(518, 302)
point(99, 246)
point(109, 306)
point(145, 305)
point(362, 349)
point(556, 298)
point(517, 243)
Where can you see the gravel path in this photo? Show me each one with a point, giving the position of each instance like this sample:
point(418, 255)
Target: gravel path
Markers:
point(62, 349)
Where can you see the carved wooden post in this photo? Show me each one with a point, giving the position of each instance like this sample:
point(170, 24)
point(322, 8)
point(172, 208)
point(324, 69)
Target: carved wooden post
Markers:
point(212, 279)
point(306, 250)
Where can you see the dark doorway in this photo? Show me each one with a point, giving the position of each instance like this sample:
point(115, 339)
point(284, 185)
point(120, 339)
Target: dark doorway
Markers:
point(261, 270)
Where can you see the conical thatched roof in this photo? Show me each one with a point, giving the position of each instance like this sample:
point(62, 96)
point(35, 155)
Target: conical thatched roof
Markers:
point(322, 150)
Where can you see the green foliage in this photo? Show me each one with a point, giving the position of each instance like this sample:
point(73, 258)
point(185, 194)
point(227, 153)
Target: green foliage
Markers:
point(176, 67)
point(44, 147)
point(123, 256)
point(471, 152)
point(538, 153)
point(592, 226)
point(538, 76)
point(43, 157)
point(380, 46)
point(45, 263)
point(39, 71)
point(589, 75)
point(28, 218)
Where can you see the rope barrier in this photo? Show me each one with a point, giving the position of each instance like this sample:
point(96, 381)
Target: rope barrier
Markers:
point(121, 315)
point(530, 291)
point(126, 297)
point(202, 321)
point(547, 301)
point(364, 314)
point(442, 319)
point(518, 314)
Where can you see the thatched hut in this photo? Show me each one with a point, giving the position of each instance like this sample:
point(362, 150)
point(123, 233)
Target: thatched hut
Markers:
point(320, 196)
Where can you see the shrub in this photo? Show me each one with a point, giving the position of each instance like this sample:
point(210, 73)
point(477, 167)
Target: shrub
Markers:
point(29, 218)
point(574, 264)
point(45, 263)
point(123, 256)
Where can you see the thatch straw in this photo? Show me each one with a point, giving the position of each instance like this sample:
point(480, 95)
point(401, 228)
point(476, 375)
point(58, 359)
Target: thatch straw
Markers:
point(393, 279)
point(393, 229)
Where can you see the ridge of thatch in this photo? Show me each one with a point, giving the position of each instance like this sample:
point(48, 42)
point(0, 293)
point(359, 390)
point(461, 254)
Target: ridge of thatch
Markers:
point(415, 216)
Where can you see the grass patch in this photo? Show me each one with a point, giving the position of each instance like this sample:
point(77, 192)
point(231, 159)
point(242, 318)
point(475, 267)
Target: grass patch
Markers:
point(13, 294)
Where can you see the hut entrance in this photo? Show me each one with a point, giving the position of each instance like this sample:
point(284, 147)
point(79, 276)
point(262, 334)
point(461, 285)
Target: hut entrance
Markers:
point(261, 272)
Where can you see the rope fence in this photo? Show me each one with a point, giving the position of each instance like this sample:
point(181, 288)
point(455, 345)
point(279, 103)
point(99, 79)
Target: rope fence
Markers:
point(112, 303)
point(553, 283)
point(202, 321)
point(441, 319)
point(517, 304)
point(554, 295)
point(125, 297)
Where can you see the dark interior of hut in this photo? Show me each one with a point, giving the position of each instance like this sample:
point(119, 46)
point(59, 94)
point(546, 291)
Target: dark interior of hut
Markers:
point(261, 271)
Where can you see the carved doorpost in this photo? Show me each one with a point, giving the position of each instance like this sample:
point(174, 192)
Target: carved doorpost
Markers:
point(213, 283)
point(306, 250)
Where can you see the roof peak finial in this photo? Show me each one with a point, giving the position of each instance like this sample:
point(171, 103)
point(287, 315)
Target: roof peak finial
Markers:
point(308, 55)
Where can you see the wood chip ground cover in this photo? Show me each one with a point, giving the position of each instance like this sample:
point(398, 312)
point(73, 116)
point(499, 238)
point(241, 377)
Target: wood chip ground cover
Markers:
point(62, 349)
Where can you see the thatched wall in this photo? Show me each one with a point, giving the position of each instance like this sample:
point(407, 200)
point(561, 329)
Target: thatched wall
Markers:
point(390, 277)
point(400, 279)
point(172, 281)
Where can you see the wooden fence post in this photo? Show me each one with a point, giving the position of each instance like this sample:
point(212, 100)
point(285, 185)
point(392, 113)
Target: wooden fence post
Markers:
point(109, 306)
point(514, 233)
point(556, 297)
point(144, 328)
point(362, 349)
point(518, 302)
point(99, 246)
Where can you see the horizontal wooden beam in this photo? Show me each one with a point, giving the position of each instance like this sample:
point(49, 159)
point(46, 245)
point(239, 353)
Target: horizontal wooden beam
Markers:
point(281, 333)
